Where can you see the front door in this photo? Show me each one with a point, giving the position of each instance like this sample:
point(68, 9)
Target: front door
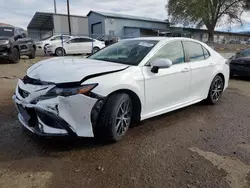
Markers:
point(168, 88)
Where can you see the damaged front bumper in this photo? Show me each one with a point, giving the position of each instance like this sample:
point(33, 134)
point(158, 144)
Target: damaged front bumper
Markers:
point(56, 116)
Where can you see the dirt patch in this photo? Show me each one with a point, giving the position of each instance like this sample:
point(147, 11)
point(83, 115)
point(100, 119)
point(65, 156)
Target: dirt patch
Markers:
point(24, 180)
point(237, 171)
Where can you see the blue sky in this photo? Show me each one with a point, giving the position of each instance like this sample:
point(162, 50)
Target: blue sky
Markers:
point(20, 12)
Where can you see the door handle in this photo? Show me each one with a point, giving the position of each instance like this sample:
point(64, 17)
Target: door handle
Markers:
point(186, 70)
point(211, 64)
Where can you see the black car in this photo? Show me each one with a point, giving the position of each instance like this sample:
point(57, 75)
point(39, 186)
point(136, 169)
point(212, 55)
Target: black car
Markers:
point(240, 63)
point(14, 43)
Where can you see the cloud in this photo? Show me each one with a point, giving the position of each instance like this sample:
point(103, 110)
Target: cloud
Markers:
point(20, 12)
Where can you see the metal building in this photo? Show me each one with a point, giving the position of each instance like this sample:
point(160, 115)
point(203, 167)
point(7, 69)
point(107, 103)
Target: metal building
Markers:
point(44, 25)
point(125, 26)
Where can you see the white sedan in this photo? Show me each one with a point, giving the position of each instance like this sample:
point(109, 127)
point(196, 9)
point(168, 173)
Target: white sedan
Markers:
point(76, 45)
point(131, 80)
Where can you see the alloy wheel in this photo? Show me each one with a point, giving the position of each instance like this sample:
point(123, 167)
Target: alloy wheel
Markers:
point(123, 118)
point(217, 89)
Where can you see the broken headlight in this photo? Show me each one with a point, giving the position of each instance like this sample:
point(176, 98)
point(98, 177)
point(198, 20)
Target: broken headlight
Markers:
point(83, 89)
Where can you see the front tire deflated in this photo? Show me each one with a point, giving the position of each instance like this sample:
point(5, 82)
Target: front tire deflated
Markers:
point(115, 117)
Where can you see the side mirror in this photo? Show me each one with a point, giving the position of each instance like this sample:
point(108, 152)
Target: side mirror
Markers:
point(160, 64)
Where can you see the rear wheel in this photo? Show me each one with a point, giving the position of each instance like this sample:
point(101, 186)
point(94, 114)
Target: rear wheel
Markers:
point(60, 52)
point(95, 49)
point(216, 90)
point(14, 56)
point(115, 117)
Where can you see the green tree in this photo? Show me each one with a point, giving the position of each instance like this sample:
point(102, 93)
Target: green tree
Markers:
point(206, 12)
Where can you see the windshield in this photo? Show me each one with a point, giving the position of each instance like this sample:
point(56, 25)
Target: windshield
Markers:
point(129, 52)
point(6, 31)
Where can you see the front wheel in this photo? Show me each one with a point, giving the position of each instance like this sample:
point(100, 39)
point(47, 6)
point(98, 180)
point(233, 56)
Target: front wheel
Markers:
point(14, 56)
point(32, 54)
point(115, 117)
point(216, 90)
point(60, 52)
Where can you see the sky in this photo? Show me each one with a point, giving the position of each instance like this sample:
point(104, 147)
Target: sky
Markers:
point(20, 12)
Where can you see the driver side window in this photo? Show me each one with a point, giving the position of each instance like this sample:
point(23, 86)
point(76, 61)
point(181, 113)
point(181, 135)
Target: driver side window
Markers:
point(172, 51)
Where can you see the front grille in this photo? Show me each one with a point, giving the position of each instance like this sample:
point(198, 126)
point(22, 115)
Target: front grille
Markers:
point(49, 120)
point(23, 93)
point(23, 47)
point(29, 115)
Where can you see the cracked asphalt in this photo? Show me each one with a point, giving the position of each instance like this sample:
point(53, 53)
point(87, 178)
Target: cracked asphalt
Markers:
point(199, 146)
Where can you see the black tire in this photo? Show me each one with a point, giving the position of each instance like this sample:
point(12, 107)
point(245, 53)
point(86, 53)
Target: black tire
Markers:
point(216, 90)
point(60, 51)
point(33, 53)
point(95, 49)
point(113, 123)
point(14, 55)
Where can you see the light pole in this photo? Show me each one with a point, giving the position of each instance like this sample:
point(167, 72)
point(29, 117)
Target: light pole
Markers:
point(69, 17)
point(55, 6)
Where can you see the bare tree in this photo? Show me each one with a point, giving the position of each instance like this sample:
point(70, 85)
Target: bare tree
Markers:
point(206, 12)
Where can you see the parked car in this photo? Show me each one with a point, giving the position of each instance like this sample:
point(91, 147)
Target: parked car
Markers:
point(14, 43)
point(41, 45)
point(240, 63)
point(234, 42)
point(75, 45)
point(131, 80)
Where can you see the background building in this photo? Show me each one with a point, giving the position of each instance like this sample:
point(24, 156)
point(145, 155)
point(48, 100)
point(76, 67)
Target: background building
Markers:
point(44, 25)
point(125, 26)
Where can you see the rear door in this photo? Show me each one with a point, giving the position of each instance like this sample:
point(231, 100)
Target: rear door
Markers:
point(85, 45)
point(201, 69)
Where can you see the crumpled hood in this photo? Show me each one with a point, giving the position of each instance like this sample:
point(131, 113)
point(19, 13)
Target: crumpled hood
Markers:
point(66, 70)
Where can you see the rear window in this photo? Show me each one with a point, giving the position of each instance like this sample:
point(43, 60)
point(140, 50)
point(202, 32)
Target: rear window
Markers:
point(194, 51)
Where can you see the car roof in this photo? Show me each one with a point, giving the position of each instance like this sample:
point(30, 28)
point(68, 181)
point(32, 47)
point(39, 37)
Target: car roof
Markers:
point(163, 39)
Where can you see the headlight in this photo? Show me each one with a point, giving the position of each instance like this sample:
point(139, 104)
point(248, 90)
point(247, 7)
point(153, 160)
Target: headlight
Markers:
point(4, 42)
point(84, 89)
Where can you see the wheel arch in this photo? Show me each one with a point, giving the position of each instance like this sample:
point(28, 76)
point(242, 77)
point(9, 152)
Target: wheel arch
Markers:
point(137, 104)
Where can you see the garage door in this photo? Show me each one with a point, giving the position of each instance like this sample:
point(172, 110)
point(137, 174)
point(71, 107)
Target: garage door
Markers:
point(131, 32)
point(97, 28)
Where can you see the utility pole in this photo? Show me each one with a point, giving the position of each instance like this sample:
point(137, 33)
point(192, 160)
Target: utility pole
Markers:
point(55, 6)
point(69, 17)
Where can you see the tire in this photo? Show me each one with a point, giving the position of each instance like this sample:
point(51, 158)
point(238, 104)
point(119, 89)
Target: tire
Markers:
point(14, 55)
point(115, 117)
point(95, 49)
point(60, 52)
point(216, 90)
point(33, 53)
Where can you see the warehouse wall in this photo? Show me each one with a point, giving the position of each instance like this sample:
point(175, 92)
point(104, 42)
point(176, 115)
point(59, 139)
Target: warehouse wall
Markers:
point(79, 25)
point(93, 19)
point(116, 25)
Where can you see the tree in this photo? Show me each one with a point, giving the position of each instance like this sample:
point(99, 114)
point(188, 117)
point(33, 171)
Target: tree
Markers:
point(206, 12)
